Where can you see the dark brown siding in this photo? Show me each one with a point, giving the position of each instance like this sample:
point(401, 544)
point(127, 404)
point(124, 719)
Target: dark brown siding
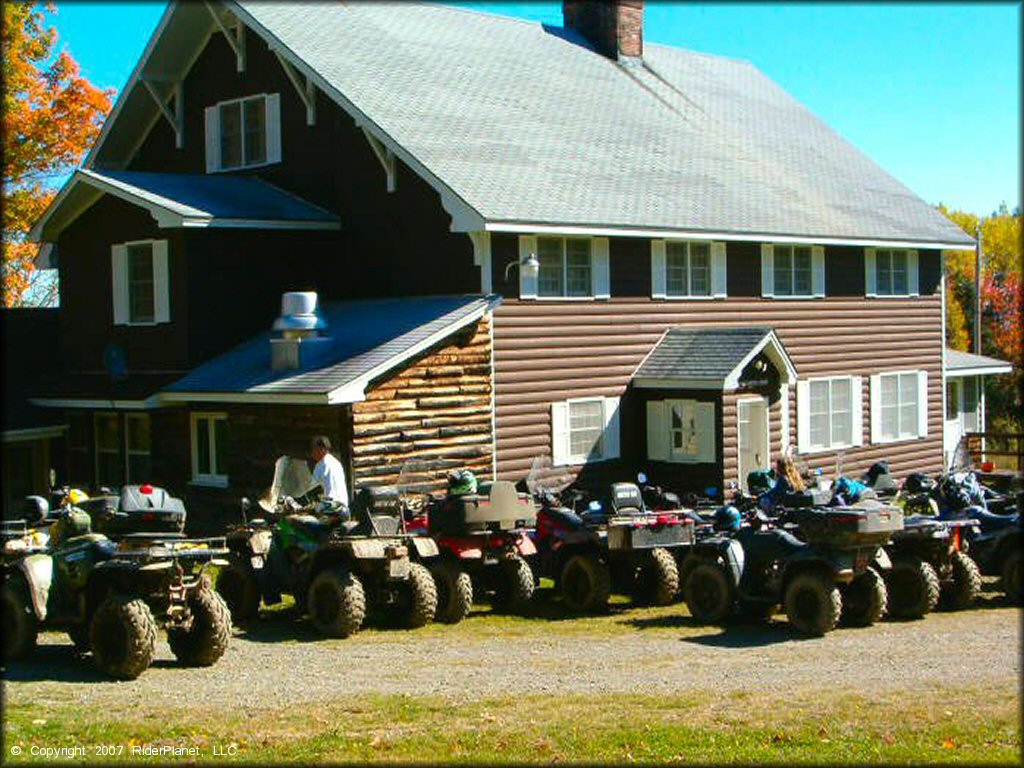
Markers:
point(548, 351)
point(436, 409)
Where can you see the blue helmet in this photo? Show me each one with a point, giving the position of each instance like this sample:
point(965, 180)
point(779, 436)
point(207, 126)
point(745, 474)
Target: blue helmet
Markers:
point(728, 519)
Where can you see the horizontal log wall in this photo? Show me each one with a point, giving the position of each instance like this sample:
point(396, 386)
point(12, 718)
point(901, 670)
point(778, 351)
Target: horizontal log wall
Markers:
point(438, 409)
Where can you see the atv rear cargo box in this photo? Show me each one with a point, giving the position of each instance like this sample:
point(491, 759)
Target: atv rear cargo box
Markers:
point(138, 509)
point(855, 526)
point(640, 533)
point(501, 509)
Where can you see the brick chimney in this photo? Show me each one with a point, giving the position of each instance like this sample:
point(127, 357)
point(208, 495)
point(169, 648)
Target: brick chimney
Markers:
point(614, 27)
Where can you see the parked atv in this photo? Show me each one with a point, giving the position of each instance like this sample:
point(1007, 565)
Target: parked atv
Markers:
point(134, 509)
point(110, 597)
point(335, 564)
point(930, 566)
point(753, 568)
point(482, 534)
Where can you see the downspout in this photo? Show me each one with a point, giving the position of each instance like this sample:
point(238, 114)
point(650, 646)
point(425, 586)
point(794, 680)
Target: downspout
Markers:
point(942, 356)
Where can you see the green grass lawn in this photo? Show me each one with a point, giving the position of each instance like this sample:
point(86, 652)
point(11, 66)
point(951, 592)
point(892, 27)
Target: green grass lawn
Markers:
point(936, 726)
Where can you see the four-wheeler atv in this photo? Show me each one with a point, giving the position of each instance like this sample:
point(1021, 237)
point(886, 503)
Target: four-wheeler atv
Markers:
point(482, 534)
point(110, 596)
point(820, 577)
point(930, 566)
point(135, 509)
point(333, 564)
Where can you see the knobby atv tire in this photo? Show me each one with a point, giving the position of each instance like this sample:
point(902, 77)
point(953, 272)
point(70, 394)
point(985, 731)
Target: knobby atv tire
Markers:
point(205, 641)
point(913, 588)
point(813, 603)
point(657, 580)
point(864, 600)
point(585, 584)
point(422, 597)
point(709, 592)
point(454, 592)
point(19, 624)
point(337, 603)
point(80, 637)
point(966, 585)
point(514, 587)
point(123, 636)
point(237, 585)
point(1011, 577)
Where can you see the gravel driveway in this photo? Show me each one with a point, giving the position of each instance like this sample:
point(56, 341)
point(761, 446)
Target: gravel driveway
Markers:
point(644, 651)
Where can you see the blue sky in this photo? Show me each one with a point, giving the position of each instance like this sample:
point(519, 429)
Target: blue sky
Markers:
point(931, 92)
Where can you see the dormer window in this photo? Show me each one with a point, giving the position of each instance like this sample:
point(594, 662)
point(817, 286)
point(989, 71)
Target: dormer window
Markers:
point(243, 133)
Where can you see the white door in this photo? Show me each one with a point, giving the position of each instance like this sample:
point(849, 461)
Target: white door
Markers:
point(953, 428)
point(753, 437)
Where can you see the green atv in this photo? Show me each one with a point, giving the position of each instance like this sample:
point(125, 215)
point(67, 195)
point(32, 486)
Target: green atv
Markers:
point(110, 597)
point(333, 566)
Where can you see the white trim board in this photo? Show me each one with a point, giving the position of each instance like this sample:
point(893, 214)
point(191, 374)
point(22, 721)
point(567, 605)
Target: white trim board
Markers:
point(960, 373)
point(32, 433)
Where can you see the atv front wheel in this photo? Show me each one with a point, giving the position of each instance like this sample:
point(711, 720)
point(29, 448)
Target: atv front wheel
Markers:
point(657, 581)
point(19, 623)
point(422, 593)
point(913, 588)
point(454, 592)
point(514, 587)
point(966, 584)
point(337, 603)
point(864, 600)
point(123, 636)
point(236, 584)
point(813, 603)
point(79, 635)
point(709, 592)
point(586, 584)
point(205, 641)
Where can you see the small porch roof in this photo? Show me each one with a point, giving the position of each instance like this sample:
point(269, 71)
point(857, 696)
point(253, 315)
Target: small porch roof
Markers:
point(184, 200)
point(960, 364)
point(710, 358)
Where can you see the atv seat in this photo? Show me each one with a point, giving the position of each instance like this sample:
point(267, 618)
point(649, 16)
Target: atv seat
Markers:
point(565, 517)
point(309, 525)
point(770, 544)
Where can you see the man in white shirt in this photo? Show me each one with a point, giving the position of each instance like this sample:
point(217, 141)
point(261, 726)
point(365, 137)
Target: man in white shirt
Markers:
point(328, 471)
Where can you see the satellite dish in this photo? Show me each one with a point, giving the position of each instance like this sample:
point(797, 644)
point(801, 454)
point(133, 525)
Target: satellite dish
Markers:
point(114, 361)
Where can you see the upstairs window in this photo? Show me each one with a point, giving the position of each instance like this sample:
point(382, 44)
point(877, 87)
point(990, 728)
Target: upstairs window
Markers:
point(890, 272)
point(243, 133)
point(792, 271)
point(570, 268)
point(141, 283)
point(141, 294)
point(687, 270)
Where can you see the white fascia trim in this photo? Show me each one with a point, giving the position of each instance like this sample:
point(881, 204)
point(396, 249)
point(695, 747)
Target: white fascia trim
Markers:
point(465, 218)
point(732, 380)
point(959, 373)
point(35, 433)
point(263, 398)
point(567, 229)
point(156, 401)
point(214, 223)
point(678, 383)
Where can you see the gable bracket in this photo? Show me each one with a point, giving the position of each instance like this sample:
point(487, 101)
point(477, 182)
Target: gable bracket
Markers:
point(303, 86)
point(175, 119)
point(235, 35)
point(385, 156)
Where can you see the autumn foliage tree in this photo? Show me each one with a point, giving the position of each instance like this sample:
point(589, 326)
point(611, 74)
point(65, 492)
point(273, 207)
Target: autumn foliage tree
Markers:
point(51, 115)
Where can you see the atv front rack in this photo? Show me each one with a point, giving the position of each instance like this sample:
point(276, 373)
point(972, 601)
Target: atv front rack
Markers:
point(148, 546)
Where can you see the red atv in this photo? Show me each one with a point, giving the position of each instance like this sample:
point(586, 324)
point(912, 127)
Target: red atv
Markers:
point(482, 534)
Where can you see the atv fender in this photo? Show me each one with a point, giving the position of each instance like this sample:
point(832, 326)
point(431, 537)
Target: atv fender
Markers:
point(38, 572)
point(425, 547)
point(732, 551)
point(881, 560)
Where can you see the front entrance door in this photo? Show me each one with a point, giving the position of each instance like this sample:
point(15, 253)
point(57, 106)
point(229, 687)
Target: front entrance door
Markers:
point(753, 437)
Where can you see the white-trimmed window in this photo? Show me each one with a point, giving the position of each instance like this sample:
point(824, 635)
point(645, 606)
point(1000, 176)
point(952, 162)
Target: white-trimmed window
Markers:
point(243, 133)
point(890, 272)
point(792, 271)
point(570, 268)
point(899, 406)
point(681, 431)
point(687, 270)
point(107, 444)
point(829, 413)
point(141, 283)
point(970, 407)
point(209, 449)
point(137, 444)
point(584, 430)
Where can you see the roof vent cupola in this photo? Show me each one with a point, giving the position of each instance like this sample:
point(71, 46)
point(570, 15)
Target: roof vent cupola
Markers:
point(298, 331)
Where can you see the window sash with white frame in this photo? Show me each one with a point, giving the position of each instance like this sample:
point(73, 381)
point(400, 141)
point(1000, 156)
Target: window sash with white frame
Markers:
point(687, 269)
point(107, 446)
point(681, 431)
point(891, 277)
point(137, 444)
point(243, 133)
point(140, 282)
point(209, 449)
point(830, 410)
point(792, 266)
point(899, 406)
point(970, 406)
point(584, 430)
point(565, 267)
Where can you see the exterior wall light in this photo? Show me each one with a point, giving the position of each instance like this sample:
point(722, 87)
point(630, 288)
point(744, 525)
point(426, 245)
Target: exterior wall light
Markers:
point(528, 267)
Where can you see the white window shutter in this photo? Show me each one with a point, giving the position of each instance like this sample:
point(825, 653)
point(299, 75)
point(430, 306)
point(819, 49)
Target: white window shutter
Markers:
point(803, 416)
point(719, 271)
point(704, 416)
point(857, 408)
point(273, 124)
point(657, 430)
point(913, 287)
point(612, 449)
point(658, 289)
point(922, 403)
point(527, 285)
point(559, 434)
point(600, 274)
point(119, 282)
point(818, 270)
point(161, 283)
point(767, 270)
point(212, 139)
point(870, 282)
point(875, 396)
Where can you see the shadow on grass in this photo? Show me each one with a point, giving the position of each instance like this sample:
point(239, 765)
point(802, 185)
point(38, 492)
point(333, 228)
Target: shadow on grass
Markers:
point(63, 664)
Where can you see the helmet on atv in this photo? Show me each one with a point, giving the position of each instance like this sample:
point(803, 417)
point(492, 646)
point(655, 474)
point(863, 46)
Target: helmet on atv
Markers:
point(36, 509)
point(461, 483)
point(918, 482)
point(728, 519)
